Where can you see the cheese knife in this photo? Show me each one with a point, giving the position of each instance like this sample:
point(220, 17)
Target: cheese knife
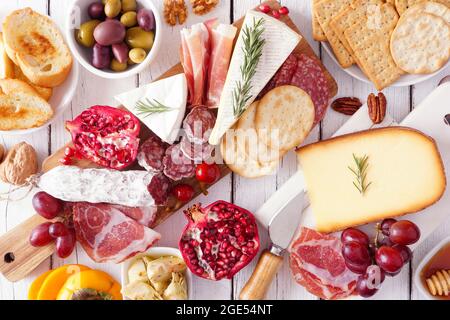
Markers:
point(282, 228)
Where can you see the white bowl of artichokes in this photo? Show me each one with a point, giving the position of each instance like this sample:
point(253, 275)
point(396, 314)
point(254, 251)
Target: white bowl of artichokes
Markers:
point(157, 274)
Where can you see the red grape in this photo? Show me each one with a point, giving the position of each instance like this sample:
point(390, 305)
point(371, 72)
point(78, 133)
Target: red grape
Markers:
point(58, 229)
point(389, 259)
point(404, 232)
point(352, 234)
point(405, 252)
point(40, 236)
point(66, 244)
point(393, 274)
point(47, 206)
point(364, 288)
point(386, 225)
point(358, 268)
point(355, 253)
point(386, 242)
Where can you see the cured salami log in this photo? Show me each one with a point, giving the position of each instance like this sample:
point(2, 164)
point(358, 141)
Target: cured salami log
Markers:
point(176, 165)
point(107, 234)
point(198, 124)
point(317, 264)
point(151, 154)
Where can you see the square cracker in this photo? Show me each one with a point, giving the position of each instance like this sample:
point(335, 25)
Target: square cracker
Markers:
point(325, 11)
point(403, 5)
point(370, 42)
point(317, 31)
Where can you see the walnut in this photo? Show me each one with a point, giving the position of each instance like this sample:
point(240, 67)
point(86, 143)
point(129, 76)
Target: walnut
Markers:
point(201, 7)
point(175, 10)
point(20, 163)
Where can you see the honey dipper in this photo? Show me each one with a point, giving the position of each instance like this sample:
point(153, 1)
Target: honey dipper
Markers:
point(439, 283)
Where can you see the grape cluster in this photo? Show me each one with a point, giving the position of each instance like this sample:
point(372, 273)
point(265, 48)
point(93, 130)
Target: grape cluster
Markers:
point(60, 231)
point(385, 256)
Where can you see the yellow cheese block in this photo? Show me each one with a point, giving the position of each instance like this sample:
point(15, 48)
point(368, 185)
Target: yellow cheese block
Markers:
point(404, 169)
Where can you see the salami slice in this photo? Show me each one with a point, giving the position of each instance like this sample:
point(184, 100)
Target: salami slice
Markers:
point(198, 124)
point(151, 154)
point(176, 165)
point(197, 152)
point(310, 77)
point(317, 264)
point(283, 76)
point(159, 189)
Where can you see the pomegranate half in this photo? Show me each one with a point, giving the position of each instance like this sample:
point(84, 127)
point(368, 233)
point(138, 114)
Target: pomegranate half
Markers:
point(106, 136)
point(219, 240)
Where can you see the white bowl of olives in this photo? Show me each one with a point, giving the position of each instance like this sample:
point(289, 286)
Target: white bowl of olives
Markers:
point(157, 274)
point(114, 39)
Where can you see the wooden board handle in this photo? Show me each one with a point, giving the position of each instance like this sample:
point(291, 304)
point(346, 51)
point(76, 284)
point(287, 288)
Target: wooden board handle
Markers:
point(258, 284)
point(17, 256)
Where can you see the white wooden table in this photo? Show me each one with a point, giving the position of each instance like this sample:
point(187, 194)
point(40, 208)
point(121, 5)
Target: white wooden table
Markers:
point(247, 193)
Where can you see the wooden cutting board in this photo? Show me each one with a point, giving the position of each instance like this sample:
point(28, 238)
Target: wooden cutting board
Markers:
point(18, 258)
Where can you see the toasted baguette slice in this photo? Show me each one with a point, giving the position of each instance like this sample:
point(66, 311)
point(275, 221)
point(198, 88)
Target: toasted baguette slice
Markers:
point(35, 44)
point(284, 118)
point(21, 107)
point(404, 174)
point(9, 70)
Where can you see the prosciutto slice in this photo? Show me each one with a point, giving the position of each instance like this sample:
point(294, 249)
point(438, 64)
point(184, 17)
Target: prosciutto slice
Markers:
point(317, 264)
point(222, 38)
point(143, 215)
point(107, 233)
point(195, 58)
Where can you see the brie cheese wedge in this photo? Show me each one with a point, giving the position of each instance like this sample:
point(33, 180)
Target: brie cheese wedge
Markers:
point(171, 92)
point(280, 41)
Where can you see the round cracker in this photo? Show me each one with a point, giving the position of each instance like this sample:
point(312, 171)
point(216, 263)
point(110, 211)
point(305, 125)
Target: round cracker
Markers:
point(284, 118)
point(436, 8)
point(420, 43)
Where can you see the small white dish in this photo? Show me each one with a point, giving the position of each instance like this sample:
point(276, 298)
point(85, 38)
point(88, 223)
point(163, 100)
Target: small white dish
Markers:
point(417, 275)
point(77, 14)
point(156, 252)
point(404, 81)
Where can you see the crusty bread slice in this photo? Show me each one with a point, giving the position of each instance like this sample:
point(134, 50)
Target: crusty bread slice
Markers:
point(9, 70)
point(404, 174)
point(21, 107)
point(35, 44)
point(284, 117)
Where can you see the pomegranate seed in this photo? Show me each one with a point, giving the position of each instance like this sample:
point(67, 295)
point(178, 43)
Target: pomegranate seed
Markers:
point(66, 161)
point(69, 152)
point(264, 8)
point(284, 11)
point(276, 14)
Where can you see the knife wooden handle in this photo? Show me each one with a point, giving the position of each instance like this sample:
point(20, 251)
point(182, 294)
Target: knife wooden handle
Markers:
point(258, 284)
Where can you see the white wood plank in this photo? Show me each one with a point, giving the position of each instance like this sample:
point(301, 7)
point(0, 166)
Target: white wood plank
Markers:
point(15, 212)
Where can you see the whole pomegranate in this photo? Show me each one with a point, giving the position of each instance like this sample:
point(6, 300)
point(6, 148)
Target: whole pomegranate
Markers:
point(106, 136)
point(219, 240)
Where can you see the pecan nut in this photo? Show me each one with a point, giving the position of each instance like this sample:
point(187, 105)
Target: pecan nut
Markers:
point(175, 11)
point(377, 107)
point(346, 105)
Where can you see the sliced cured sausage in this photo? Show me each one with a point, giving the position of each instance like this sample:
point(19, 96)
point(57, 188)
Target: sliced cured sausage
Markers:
point(151, 154)
point(198, 124)
point(176, 165)
point(317, 264)
point(197, 152)
point(310, 77)
point(159, 189)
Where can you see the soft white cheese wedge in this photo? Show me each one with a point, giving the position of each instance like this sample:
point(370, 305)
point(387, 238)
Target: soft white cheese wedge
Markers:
point(280, 41)
point(171, 92)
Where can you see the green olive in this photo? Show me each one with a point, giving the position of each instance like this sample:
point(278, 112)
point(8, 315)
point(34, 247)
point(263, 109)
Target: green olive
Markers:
point(85, 35)
point(137, 55)
point(129, 5)
point(117, 66)
point(113, 8)
point(129, 19)
point(137, 37)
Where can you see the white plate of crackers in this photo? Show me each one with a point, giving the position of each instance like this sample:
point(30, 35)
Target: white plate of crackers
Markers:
point(387, 43)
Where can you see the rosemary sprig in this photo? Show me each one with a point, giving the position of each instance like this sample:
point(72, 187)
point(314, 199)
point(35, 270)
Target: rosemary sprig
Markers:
point(253, 46)
point(146, 108)
point(360, 173)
